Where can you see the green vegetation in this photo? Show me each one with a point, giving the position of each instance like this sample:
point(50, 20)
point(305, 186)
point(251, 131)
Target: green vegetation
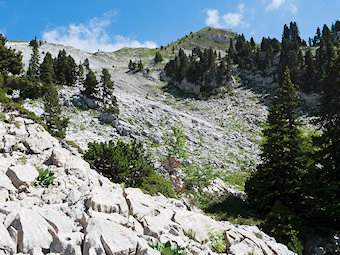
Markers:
point(74, 145)
point(175, 142)
point(217, 241)
point(168, 248)
point(199, 68)
point(56, 125)
point(127, 163)
point(45, 178)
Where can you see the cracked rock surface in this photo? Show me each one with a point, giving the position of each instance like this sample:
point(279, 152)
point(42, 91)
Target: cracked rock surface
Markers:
point(85, 213)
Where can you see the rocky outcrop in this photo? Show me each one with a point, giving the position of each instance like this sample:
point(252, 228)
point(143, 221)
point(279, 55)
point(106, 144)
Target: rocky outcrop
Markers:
point(84, 213)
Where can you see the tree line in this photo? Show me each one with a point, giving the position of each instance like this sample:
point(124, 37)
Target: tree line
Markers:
point(41, 80)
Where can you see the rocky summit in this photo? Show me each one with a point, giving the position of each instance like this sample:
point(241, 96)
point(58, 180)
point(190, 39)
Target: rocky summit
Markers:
point(85, 213)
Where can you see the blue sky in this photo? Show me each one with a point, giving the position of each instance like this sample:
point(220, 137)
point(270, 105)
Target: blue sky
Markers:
point(112, 24)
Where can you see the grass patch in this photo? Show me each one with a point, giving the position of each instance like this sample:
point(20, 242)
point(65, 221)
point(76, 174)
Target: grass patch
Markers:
point(236, 179)
point(74, 145)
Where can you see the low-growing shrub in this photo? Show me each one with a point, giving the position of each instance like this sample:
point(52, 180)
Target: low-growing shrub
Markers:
point(168, 249)
point(127, 163)
point(74, 145)
point(45, 178)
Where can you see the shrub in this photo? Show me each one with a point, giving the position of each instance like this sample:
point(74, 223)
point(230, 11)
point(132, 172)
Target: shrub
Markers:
point(168, 249)
point(45, 178)
point(127, 163)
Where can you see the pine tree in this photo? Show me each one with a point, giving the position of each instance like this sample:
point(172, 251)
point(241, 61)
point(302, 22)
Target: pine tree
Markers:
point(33, 67)
point(60, 65)
point(309, 73)
point(132, 65)
point(10, 61)
point(52, 113)
point(91, 85)
point(158, 57)
point(46, 69)
point(107, 85)
point(252, 43)
point(278, 177)
point(326, 180)
point(80, 74)
point(140, 66)
point(70, 71)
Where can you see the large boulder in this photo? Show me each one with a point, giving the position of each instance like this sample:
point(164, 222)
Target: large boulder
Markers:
point(107, 237)
point(22, 175)
point(29, 229)
point(6, 242)
point(101, 200)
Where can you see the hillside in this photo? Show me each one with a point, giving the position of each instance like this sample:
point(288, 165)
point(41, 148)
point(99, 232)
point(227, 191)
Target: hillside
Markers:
point(217, 130)
point(232, 131)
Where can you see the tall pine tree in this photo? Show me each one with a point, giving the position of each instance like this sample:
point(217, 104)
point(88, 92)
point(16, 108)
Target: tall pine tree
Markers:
point(278, 177)
point(91, 85)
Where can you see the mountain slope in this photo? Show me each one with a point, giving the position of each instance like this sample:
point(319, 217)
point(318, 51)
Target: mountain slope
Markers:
point(222, 132)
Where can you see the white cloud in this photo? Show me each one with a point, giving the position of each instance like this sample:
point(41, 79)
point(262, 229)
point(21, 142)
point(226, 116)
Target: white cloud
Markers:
point(213, 18)
point(274, 5)
point(280, 4)
point(228, 20)
point(93, 36)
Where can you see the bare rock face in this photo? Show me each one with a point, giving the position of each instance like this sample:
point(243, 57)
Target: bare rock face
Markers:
point(84, 213)
point(22, 175)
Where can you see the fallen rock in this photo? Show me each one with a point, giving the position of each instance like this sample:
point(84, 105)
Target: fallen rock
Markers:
point(22, 175)
point(106, 237)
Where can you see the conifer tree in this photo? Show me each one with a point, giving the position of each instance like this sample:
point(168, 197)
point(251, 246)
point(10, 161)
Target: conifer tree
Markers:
point(46, 69)
point(91, 85)
point(107, 85)
point(80, 74)
point(309, 73)
point(278, 177)
point(56, 125)
point(10, 60)
point(87, 63)
point(33, 67)
point(60, 65)
point(326, 179)
point(158, 57)
point(140, 66)
point(132, 65)
point(70, 71)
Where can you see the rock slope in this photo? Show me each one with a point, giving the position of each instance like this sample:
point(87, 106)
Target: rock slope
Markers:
point(84, 213)
point(222, 132)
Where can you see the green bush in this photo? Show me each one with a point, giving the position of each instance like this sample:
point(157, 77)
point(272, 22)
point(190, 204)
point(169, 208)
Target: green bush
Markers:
point(168, 249)
point(45, 178)
point(127, 163)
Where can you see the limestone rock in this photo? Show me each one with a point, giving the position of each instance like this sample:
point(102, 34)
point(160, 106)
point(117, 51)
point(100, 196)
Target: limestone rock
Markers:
point(108, 201)
point(67, 243)
point(22, 175)
point(6, 242)
point(32, 230)
point(106, 237)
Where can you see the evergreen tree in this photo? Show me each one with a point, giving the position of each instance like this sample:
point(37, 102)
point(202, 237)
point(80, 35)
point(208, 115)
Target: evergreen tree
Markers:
point(107, 85)
point(33, 67)
point(86, 63)
point(10, 61)
point(46, 69)
point(252, 43)
point(309, 73)
point(60, 65)
point(80, 74)
point(132, 65)
point(278, 177)
point(158, 57)
point(70, 71)
point(91, 85)
point(140, 66)
point(55, 124)
point(326, 180)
